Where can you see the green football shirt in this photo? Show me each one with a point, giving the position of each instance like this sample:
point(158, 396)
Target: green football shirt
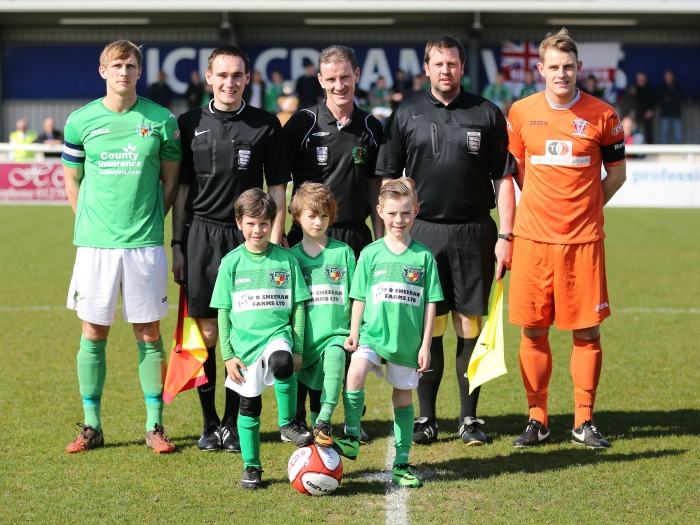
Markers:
point(395, 289)
point(259, 290)
point(120, 202)
point(328, 277)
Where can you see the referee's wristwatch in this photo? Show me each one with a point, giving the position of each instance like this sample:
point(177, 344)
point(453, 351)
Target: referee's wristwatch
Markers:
point(507, 236)
point(175, 242)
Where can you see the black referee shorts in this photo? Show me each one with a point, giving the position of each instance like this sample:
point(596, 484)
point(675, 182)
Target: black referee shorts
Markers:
point(465, 260)
point(207, 243)
point(355, 235)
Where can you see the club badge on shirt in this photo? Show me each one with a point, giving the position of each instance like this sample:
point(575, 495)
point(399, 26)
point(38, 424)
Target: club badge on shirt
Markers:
point(413, 274)
point(359, 154)
point(335, 273)
point(279, 277)
point(322, 155)
point(145, 130)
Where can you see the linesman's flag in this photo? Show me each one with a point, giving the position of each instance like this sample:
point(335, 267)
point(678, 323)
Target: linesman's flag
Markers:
point(187, 356)
point(487, 360)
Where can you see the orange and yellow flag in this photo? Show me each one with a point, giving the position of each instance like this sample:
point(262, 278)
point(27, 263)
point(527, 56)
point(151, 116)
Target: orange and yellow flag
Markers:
point(187, 356)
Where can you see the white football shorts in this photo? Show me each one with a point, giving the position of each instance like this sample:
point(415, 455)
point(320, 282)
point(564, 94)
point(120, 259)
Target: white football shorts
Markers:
point(398, 376)
point(99, 274)
point(258, 376)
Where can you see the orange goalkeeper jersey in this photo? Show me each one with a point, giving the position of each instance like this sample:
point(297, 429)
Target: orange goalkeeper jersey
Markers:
point(563, 149)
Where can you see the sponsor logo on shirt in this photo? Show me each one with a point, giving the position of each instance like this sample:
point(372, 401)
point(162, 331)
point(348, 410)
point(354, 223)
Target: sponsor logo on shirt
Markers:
point(243, 159)
point(320, 134)
point(560, 153)
point(473, 140)
point(322, 155)
point(580, 126)
point(145, 130)
point(279, 277)
point(335, 273)
point(539, 123)
point(176, 134)
point(261, 300)
point(617, 129)
point(413, 274)
point(359, 154)
point(397, 293)
point(326, 294)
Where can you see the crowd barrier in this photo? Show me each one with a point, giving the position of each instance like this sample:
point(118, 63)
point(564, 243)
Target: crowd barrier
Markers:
point(658, 176)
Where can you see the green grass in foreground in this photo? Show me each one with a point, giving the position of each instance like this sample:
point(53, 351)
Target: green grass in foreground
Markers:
point(648, 405)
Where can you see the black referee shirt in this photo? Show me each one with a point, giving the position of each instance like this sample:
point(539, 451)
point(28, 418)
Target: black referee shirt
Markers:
point(453, 153)
point(226, 153)
point(343, 159)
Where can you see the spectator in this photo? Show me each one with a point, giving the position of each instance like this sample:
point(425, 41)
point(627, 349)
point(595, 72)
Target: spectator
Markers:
point(419, 83)
point(402, 88)
point(273, 91)
point(195, 91)
point(50, 136)
point(627, 103)
point(308, 89)
point(379, 95)
point(498, 93)
point(160, 92)
point(646, 101)
point(287, 102)
point(671, 94)
point(529, 86)
point(254, 92)
point(592, 87)
point(632, 135)
point(22, 135)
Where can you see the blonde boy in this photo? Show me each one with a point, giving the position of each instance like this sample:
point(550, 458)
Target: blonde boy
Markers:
point(395, 289)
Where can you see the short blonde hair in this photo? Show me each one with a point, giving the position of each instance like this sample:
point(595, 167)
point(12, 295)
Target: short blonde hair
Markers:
point(560, 41)
point(316, 197)
point(398, 189)
point(120, 50)
point(255, 203)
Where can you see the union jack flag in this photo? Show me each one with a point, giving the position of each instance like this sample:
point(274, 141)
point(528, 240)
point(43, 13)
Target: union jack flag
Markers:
point(518, 55)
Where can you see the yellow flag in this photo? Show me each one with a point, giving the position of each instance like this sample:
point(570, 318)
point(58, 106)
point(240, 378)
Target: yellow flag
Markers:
point(487, 360)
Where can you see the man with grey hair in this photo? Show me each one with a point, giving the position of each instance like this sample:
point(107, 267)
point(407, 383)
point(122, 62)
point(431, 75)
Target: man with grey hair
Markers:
point(336, 143)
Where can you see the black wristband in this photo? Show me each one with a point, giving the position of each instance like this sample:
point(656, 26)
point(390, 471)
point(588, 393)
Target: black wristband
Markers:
point(175, 242)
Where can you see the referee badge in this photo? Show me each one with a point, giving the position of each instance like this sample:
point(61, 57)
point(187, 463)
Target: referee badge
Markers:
point(243, 159)
point(322, 155)
point(413, 274)
point(473, 140)
point(279, 278)
point(359, 154)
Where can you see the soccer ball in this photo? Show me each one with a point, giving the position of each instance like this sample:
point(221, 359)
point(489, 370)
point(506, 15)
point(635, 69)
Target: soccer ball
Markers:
point(316, 471)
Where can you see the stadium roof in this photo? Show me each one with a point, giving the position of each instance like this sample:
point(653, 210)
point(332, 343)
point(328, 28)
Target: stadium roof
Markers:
point(643, 13)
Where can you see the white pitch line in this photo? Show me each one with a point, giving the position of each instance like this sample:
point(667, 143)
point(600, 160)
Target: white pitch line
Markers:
point(396, 497)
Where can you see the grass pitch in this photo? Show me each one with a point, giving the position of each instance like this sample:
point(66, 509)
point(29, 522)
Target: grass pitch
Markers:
point(648, 406)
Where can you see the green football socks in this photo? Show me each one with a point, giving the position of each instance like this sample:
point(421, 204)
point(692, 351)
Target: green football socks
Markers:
point(403, 433)
point(354, 403)
point(92, 372)
point(286, 394)
point(152, 375)
point(333, 375)
point(249, 434)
